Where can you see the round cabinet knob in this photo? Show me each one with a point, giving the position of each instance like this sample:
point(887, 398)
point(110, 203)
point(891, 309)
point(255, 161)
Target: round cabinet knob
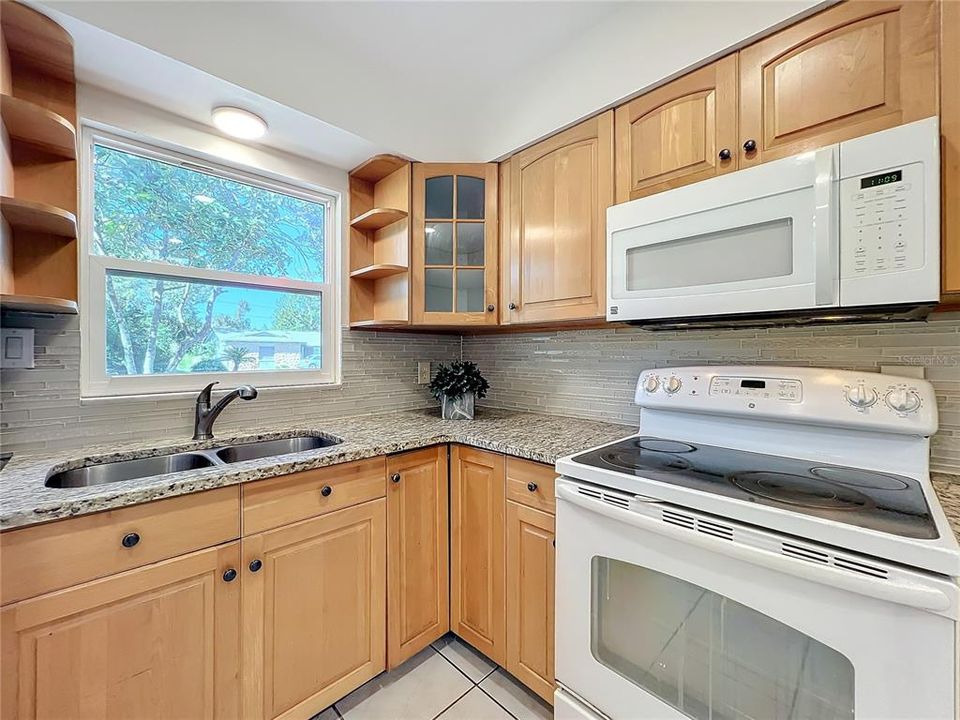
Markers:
point(750, 145)
point(902, 400)
point(532, 486)
point(130, 539)
point(860, 397)
point(230, 575)
point(326, 490)
point(512, 306)
point(490, 308)
point(725, 154)
point(651, 384)
point(395, 477)
point(673, 385)
point(255, 565)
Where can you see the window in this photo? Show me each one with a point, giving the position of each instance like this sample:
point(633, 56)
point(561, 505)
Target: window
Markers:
point(193, 272)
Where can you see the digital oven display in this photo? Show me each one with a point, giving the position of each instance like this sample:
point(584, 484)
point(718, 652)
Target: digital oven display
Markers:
point(759, 384)
point(882, 179)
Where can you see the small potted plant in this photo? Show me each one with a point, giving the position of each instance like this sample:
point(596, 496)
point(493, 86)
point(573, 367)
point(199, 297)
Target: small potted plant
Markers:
point(457, 386)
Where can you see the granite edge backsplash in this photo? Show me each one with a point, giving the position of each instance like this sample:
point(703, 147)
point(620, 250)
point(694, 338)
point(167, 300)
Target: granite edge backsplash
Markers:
point(593, 373)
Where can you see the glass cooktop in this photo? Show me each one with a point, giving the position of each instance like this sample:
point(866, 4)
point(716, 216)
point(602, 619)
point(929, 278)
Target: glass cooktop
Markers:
point(877, 501)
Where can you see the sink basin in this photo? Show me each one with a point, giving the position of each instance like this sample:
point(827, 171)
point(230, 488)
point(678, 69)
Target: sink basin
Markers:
point(128, 470)
point(269, 448)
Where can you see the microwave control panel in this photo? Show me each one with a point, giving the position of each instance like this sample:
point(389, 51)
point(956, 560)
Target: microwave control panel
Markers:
point(881, 222)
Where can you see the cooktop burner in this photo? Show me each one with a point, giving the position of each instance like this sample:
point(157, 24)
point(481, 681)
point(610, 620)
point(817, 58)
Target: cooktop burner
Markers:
point(878, 501)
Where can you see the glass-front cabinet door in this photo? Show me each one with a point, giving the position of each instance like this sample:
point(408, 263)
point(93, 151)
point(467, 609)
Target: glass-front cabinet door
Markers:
point(454, 249)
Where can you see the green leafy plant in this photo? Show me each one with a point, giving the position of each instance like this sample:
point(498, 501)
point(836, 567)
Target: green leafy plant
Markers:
point(458, 378)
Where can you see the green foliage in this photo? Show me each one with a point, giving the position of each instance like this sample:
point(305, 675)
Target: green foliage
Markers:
point(458, 378)
point(208, 366)
point(235, 354)
point(152, 211)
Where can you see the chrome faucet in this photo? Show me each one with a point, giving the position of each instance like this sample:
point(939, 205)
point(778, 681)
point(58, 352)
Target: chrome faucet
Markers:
point(205, 416)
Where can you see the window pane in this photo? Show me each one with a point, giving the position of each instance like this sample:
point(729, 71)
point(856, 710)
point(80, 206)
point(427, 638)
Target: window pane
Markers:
point(470, 198)
point(439, 243)
point(149, 210)
point(438, 193)
point(469, 290)
point(709, 656)
point(469, 243)
point(438, 290)
point(161, 325)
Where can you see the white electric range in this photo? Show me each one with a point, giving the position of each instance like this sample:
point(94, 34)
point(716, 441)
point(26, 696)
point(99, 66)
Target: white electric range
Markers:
point(768, 547)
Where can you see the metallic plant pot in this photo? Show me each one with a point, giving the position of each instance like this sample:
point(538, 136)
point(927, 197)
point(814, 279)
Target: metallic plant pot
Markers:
point(458, 408)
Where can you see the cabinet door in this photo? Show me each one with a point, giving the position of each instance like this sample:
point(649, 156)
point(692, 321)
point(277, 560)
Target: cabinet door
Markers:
point(418, 573)
point(950, 145)
point(854, 69)
point(454, 276)
point(530, 592)
point(555, 258)
point(314, 611)
point(680, 133)
point(477, 561)
point(161, 641)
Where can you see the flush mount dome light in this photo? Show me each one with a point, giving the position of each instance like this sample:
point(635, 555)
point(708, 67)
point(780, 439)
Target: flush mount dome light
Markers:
point(239, 123)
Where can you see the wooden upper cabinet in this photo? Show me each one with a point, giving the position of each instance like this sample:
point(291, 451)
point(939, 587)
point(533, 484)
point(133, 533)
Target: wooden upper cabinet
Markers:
point(679, 133)
point(418, 572)
point(162, 641)
point(856, 68)
point(314, 611)
point(477, 505)
point(554, 261)
point(950, 145)
point(454, 247)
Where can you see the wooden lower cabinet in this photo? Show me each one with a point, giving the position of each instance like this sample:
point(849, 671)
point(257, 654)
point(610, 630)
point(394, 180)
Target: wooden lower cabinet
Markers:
point(531, 555)
point(418, 551)
point(477, 507)
point(314, 611)
point(160, 642)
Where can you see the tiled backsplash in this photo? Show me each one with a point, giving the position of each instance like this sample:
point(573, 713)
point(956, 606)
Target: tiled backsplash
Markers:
point(592, 373)
point(42, 406)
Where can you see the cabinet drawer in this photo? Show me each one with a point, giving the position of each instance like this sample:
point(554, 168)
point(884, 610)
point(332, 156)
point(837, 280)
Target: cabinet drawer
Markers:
point(524, 474)
point(278, 501)
point(36, 560)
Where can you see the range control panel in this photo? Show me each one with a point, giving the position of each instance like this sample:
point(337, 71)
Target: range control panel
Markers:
point(881, 219)
point(817, 396)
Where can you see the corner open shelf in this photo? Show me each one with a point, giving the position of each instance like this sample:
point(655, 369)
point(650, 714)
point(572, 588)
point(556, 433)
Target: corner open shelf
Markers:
point(38, 304)
point(377, 218)
point(375, 272)
point(29, 123)
point(38, 217)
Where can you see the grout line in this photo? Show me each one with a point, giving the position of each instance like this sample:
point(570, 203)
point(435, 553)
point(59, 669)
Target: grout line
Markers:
point(496, 701)
point(453, 703)
point(459, 670)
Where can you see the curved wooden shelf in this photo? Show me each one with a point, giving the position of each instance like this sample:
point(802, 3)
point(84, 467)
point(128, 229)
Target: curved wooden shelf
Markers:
point(38, 217)
point(378, 323)
point(38, 304)
point(379, 270)
point(377, 218)
point(377, 168)
point(29, 123)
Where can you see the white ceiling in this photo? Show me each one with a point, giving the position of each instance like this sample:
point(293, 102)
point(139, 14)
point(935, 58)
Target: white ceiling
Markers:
point(453, 81)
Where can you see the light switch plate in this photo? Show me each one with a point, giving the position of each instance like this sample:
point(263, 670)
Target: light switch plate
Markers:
point(16, 347)
point(423, 372)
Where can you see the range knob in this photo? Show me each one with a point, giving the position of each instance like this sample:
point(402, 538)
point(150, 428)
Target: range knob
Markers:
point(651, 383)
point(860, 397)
point(902, 400)
point(673, 384)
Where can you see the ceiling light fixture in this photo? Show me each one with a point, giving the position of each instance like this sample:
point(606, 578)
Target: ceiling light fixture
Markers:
point(239, 123)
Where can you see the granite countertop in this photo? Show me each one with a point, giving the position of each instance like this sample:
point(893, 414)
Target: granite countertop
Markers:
point(25, 500)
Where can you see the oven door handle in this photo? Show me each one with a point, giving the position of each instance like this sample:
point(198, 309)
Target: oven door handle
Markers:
point(909, 594)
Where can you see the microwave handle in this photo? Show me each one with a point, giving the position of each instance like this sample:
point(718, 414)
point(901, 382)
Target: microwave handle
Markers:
point(901, 593)
point(826, 227)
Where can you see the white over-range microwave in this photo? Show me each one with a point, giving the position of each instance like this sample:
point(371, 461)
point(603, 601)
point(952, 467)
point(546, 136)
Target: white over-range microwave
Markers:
point(851, 230)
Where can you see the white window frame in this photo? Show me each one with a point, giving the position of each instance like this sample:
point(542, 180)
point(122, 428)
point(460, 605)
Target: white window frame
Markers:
point(95, 381)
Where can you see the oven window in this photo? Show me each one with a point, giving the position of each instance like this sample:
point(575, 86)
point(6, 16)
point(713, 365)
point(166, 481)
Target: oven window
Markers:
point(708, 656)
point(752, 252)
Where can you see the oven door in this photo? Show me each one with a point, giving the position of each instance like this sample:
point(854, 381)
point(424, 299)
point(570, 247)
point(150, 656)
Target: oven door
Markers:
point(761, 240)
point(688, 616)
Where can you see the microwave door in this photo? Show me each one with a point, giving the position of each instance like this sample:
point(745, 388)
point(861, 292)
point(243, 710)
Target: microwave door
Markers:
point(761, 243)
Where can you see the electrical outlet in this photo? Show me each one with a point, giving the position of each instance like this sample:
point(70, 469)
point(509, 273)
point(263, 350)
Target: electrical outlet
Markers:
point(423, 372)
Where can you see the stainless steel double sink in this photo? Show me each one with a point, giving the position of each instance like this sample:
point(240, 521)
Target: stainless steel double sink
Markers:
point(188, 460)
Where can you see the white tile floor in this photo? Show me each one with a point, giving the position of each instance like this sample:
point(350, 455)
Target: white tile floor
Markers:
point(447, 681)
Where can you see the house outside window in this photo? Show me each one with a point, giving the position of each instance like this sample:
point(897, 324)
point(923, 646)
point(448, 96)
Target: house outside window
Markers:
point(194, 272)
